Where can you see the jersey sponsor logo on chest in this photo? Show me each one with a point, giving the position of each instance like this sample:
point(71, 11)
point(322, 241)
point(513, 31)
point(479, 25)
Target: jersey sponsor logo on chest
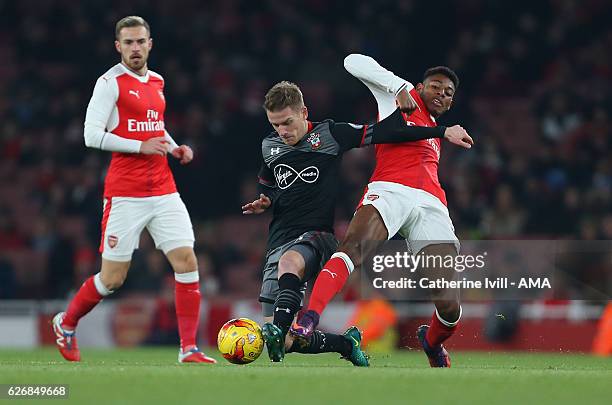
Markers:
point(152, 124)
point(286, 175)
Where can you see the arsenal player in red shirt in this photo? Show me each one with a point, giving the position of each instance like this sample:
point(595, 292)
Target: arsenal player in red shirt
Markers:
point(404, 196)
point(125, 116)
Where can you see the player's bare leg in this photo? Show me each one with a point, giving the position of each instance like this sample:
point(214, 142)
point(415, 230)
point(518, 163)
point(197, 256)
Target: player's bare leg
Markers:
point(187, 300)
point(94, 289)
point(448, 310)
point(113, 274)
point(366, 225)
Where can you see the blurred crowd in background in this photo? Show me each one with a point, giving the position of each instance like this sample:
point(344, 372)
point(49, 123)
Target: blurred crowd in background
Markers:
point(535, 94)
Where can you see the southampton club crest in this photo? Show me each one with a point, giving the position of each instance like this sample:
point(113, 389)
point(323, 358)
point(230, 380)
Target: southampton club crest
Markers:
point(314, 140)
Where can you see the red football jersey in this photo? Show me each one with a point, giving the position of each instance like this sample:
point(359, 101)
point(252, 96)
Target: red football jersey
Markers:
point(413, 164)
point(136, 105)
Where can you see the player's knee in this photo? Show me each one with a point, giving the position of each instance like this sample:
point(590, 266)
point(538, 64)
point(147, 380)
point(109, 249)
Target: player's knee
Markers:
point(184, 261)
point(187, 265)
point(353, 249)
point(113, 281)
point(190, 263)
point(113, 274)
point(290, 263)
point(445, 304)
point(449, 310)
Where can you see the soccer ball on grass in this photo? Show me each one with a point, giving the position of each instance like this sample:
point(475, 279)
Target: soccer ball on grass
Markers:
point(240, 341)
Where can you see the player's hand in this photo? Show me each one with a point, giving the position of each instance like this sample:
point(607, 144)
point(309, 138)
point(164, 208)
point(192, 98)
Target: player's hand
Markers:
point(457, 135)
point(154, 146)
point(405, 102)
point(258, 206)
point(184, 153)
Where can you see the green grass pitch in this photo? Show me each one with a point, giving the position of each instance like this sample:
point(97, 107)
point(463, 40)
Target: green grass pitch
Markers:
point(152, 376)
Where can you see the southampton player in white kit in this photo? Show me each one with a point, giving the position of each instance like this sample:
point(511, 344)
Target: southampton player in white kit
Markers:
point(404, 196)
point(125, 116)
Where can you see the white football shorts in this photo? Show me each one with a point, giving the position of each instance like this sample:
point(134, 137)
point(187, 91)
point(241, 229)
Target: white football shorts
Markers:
point(416, 215)
point(165, 217)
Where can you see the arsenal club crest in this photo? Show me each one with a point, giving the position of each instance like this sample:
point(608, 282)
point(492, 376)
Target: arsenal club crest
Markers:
point(314, 140)
point(112, 241)
point(372, 197)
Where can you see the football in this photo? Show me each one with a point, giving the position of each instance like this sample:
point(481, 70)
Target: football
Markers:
point(240, 341)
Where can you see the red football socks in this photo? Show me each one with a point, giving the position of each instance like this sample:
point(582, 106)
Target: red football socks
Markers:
point(438, 332)
point(187, 300)
point(330, 281)
point(85, 299)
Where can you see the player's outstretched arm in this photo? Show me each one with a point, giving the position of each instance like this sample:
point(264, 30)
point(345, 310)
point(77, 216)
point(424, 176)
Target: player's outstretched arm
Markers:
point(393, 129)
point(258, 206)
point(383, 84)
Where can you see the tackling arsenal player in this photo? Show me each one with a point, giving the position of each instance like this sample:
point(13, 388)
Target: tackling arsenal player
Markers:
point(404, 196)
point(125, 116)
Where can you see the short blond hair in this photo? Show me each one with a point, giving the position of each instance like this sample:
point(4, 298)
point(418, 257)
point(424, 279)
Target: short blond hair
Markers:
point(284, 94)
point(131, 21)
